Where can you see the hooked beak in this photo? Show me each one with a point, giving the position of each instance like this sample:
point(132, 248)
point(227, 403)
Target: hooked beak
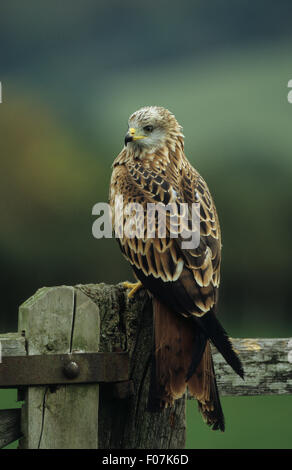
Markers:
point(131, 136)
point(128, 138)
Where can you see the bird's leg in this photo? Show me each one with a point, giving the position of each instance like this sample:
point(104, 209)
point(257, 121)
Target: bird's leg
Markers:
point(134, 286)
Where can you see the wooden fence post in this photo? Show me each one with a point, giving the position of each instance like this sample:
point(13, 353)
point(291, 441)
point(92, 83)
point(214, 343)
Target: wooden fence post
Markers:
point(60, 320)
point(113, 415)
point(125, 423)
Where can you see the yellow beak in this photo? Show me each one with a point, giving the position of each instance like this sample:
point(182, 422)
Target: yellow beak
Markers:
point(131, 136)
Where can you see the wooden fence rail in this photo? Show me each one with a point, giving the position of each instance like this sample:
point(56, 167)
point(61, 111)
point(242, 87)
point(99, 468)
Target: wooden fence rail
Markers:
point(66, 321)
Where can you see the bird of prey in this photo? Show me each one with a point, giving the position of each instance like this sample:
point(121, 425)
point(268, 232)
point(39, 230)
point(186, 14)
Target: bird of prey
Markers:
point(183, 282)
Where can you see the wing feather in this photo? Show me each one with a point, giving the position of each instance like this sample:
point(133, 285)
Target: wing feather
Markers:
point(194, 273)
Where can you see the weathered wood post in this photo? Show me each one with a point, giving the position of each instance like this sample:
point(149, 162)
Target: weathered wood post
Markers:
point(60, 320)
point(125, 423)
point(90, 318)
point(109, 412)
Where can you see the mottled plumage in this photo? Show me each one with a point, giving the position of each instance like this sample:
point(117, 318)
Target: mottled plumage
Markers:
point(152, 168)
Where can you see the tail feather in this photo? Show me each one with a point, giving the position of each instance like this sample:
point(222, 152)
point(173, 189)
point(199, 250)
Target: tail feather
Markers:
point(202, 386)
point(174, 339)
point(182, 358)
point(197, 352)
point(216, 333)
point(155, 401)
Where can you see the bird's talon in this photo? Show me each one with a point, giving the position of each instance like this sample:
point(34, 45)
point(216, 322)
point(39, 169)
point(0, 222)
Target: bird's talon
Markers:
point(134, 286)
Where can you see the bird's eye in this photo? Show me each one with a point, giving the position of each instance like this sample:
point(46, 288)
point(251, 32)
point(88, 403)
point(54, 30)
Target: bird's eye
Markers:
point(148, 128)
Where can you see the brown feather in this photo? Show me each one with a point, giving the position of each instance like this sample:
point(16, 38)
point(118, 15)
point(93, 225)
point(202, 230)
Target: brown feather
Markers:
point(202, 386)
point(174, 344)
point(184, 280)
point(173, 352)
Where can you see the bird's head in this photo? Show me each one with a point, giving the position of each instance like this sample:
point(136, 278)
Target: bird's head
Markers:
point(151, 128)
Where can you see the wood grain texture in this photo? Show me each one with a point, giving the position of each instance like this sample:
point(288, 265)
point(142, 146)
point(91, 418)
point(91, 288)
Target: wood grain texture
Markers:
point(126, 324)
point(9, 426)
point(12, 344)
point(267, 364)
point(60, 320)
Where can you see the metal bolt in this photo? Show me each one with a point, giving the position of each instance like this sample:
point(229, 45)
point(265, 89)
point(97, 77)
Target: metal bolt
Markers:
point(71, 370)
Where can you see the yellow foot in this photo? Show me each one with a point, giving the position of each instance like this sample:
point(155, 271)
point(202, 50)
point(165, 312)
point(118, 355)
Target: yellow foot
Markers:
point(133, 286)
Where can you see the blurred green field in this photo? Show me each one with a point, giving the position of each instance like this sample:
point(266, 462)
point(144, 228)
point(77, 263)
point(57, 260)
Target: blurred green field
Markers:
point(251, 423)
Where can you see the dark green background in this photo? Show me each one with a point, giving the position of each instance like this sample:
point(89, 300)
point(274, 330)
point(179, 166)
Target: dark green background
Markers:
point(71, 74)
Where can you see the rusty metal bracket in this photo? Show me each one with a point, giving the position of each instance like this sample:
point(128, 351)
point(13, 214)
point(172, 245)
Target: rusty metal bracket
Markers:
point(51, 369)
